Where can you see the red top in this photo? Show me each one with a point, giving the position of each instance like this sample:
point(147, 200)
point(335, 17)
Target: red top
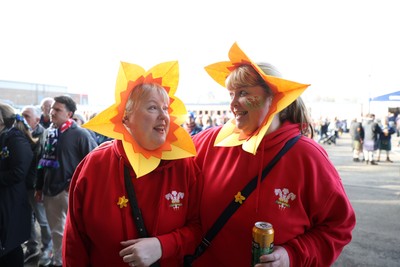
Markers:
point(302, 197)
point(96, 224)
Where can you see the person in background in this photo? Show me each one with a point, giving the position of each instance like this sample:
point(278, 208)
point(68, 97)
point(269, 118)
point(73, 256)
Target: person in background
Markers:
point(323, 132)
point(372, 130)
point(33, 246)
point(385, 140)
point(397, 125)
point(99, 137)
point(190, 124)
point(16, 157)
point(302, 197)
point(45, 106)
point(357, 137)
point(80, 120)
point(207, 122)
point(391, 118)
point(151, 151)
point(66, 145)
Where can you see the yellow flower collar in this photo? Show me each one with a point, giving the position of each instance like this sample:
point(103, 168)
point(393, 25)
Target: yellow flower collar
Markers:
point(285, 92)
point(178, 144)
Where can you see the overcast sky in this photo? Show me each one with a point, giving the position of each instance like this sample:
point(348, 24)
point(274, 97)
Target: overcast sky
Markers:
point(342, 47)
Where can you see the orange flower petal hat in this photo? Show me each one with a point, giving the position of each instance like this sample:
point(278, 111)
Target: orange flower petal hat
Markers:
point(178, 144)
point(285, 92)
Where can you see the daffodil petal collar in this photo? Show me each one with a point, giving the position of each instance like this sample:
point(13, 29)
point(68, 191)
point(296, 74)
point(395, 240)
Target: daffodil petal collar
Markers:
point(178, 144)
point(285, 92)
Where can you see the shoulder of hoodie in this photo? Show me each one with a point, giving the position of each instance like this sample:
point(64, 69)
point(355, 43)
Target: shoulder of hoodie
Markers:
point(309, 148)
point(107, 145)
point(101, 153)
point(207, 135)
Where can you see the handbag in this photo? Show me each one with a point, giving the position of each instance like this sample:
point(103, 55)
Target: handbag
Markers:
point(136, 213)
point(233, 205)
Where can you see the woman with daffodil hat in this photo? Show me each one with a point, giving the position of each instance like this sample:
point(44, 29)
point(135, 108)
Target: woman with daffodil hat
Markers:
point(154, 154)
point(302, 196)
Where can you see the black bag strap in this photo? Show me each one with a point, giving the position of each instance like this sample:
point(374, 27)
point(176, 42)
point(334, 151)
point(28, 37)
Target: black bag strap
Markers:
point(233, 206)
point(136, 213)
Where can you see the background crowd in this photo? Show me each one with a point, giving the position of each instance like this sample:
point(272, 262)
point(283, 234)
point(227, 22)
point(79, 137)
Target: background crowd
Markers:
point(371, 136)
point(40, 149)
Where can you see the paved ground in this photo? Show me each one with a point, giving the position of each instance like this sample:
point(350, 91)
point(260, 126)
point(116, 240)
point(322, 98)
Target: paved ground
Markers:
point(374, 192)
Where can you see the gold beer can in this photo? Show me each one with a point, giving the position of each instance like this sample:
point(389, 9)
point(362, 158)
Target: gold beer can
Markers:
point(263, 241)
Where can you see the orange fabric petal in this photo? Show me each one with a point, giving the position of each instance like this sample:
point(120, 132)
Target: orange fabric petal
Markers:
point(178, 143)
point(285, 92)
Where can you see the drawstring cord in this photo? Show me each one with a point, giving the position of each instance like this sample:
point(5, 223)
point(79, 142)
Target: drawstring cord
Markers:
point(260, 169)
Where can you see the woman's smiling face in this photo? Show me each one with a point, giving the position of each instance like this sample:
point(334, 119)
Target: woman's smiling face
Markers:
point(149, 120)
point(250, 105)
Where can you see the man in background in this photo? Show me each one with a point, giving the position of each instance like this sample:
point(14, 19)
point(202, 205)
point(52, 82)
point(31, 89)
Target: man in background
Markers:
point(66, 145)
point(45, 106)
point(357, 137)
point(372, 130)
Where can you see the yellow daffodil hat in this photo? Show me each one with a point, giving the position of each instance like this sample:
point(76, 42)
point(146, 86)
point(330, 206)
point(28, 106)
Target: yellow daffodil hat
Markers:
point(178, 144)
point(285, 92)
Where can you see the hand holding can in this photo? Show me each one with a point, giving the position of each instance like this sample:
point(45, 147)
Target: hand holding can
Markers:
point(263, 241)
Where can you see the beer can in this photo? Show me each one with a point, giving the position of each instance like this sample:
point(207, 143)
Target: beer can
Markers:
point(263, 241)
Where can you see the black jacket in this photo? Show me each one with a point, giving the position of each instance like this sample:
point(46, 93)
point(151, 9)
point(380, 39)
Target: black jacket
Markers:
point(15, 212)
point(72, 146)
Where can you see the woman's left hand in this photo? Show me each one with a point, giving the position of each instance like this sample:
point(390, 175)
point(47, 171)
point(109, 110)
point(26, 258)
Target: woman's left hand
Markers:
point(141, 252)
point(278, 258)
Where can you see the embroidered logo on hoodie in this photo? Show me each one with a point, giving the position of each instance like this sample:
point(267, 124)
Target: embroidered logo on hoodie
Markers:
point(175, 198)
point(284, 197)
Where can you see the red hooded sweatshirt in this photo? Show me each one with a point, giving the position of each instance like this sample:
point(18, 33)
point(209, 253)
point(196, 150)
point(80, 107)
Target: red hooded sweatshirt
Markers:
point(302, 197)
point(168, 198)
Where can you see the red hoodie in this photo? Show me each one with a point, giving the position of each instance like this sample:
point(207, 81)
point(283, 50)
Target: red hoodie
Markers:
point(302, 197)
point(96, 224)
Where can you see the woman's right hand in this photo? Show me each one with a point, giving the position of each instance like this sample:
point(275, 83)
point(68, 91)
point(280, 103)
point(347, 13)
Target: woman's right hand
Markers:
point(141, 252)
point(278, 258)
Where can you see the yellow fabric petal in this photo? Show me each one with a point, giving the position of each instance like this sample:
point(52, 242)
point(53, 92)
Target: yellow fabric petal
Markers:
point(169, 72)
point(102, 125)
point(182, 148)
point(178, 145)
point(179, 110)
point(219, 71)
point(285, 92)
point(127, 72)
point(139, 163)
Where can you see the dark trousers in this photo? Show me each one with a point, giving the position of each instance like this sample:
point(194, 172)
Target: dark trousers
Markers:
point(14, 258)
